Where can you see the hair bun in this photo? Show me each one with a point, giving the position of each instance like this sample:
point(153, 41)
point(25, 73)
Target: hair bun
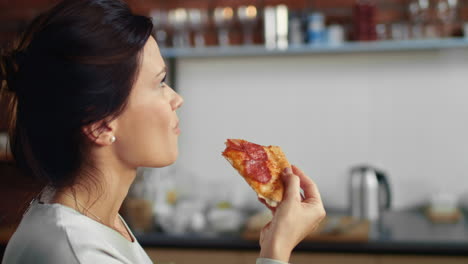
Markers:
point(8, 69)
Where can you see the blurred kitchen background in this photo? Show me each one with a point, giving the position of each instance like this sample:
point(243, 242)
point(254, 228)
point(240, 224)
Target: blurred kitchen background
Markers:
point(368, 97)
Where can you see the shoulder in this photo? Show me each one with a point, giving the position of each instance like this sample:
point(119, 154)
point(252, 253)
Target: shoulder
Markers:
point(39, 239)
point(51, 233)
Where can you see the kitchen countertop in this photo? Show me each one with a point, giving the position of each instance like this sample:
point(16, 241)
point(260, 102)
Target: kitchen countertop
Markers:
point(399, 232)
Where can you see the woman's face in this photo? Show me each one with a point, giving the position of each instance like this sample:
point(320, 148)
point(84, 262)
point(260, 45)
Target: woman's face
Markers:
point(148, 129)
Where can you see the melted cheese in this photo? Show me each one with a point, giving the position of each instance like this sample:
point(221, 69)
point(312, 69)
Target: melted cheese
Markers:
point(269, 201)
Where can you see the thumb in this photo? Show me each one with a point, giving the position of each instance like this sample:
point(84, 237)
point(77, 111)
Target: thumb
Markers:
point(292, 191)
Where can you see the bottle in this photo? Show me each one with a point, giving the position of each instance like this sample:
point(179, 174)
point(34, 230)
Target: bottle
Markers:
point(335, 35)
point(282, 21)
point(269, 21)
point(365, 21)
point(296, 34)
point(316, 28)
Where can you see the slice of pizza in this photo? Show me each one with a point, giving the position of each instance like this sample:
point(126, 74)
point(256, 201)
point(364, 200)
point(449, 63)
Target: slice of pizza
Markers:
point(260, 166)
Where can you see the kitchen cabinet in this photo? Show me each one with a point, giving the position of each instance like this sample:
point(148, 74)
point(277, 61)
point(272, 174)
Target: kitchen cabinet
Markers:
point(304, 258)
point(193, 256)
point(420, 260)
point(177, 256)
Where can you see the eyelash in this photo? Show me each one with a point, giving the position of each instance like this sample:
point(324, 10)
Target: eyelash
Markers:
point(163, 82)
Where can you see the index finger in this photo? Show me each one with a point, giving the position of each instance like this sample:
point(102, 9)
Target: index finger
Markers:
point(311, 191)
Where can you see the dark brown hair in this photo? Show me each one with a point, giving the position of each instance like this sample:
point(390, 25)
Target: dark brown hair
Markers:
point(74, 65)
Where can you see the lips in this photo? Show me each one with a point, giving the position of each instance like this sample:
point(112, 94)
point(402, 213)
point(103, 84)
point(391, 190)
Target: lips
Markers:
point(176, 128)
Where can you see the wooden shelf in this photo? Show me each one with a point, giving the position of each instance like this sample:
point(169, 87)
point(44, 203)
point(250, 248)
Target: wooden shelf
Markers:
point(6, 232)
point(6, 157)
point(347, 47)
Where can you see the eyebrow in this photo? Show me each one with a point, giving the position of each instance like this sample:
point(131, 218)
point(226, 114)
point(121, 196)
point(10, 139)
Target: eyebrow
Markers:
point(161, 72)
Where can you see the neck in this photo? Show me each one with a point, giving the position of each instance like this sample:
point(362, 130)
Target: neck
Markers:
point(100, 196)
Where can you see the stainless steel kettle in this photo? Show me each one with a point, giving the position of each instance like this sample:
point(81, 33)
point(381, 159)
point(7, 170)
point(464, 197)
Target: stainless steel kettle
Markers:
point(369, 193)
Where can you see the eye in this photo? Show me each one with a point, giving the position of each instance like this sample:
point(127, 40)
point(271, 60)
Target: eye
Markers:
point(162, 84)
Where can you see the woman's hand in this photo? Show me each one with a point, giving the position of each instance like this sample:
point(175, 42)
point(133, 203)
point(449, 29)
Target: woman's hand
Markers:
point(294, 218)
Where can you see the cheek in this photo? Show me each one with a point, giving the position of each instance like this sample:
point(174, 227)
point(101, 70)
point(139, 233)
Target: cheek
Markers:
point(150, 115)
point(149, 137)
point(144, 134)
point(163, 140)
point(160, 119)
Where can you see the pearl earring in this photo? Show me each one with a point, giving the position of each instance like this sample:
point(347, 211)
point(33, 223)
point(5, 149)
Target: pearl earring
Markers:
point(112, 139)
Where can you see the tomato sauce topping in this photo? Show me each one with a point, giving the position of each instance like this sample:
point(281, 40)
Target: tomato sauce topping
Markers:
point(255, 152)
point(255, 159)
point(257, 170)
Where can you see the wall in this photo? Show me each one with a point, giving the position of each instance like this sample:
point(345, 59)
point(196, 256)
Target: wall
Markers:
point(404, 112)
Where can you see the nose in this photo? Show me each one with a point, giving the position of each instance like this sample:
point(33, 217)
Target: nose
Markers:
point(177, 101)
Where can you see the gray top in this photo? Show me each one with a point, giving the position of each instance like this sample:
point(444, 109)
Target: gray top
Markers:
point(54, 233)
point(57, 234)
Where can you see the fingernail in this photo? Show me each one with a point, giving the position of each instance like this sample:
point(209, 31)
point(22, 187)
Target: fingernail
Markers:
point(288, 170)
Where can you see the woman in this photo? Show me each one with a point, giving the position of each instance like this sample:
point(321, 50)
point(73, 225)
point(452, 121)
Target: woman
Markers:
point(90, 105)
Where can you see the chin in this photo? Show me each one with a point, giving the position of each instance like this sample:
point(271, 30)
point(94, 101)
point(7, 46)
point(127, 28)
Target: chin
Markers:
point(169, 160)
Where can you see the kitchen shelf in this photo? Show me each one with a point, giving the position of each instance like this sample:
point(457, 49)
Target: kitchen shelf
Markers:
point(6, 158)
point(347, 47)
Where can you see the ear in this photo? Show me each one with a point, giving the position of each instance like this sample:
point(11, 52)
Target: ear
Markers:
point(100, 132)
